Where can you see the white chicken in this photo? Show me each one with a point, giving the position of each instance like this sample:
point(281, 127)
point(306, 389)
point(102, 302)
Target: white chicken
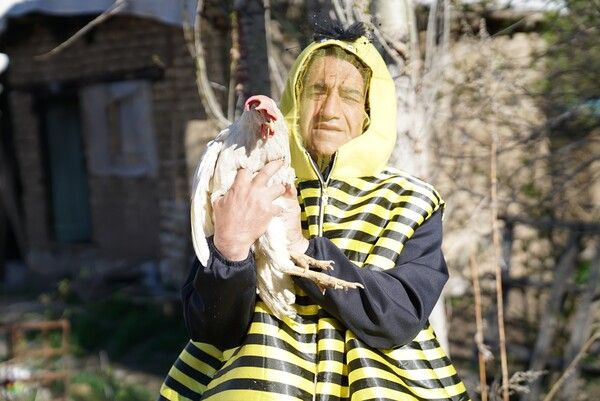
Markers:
point(259, 136)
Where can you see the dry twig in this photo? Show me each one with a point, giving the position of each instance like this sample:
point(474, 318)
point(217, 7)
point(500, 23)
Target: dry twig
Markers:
point(497, 256)
point(114, 9)
point(571, 368)
point(482, 350)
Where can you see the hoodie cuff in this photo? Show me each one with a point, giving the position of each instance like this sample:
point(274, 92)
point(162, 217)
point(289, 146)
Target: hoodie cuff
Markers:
point(215, 252)
point(310, 251)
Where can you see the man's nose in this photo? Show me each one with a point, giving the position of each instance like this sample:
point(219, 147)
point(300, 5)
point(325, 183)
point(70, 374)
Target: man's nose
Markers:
point(331, 106)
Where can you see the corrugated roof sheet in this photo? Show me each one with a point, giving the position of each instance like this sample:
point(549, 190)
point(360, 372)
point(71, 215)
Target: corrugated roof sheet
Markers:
point(167, 11)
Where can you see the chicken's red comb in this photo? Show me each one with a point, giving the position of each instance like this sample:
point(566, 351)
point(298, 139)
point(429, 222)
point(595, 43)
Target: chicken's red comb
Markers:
point(262, 103)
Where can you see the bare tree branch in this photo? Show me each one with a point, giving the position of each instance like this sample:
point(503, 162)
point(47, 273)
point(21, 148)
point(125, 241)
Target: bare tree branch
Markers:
point(277, 75)
point(234, 54)
point(117, 6)
point(207, 95)
point(571, 368)
point(340, 12)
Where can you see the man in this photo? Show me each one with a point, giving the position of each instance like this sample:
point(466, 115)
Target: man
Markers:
point(382, 228)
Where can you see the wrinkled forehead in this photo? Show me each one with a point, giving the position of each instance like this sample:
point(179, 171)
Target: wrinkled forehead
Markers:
point(329, 71)
point(333, 63)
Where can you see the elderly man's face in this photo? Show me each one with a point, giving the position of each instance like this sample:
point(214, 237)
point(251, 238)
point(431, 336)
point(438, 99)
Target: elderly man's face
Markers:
point(332, 105)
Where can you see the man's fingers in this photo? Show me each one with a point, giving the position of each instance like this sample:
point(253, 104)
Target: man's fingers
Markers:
point(275, 191)
point(267, 172)
point(243, 176)
point(215, 202)
point(290, 191)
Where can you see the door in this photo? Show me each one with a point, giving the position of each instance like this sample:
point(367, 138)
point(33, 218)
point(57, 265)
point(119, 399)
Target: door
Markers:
point(67, 177)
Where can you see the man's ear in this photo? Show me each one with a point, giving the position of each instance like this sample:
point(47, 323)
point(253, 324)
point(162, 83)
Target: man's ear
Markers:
point(366, 122)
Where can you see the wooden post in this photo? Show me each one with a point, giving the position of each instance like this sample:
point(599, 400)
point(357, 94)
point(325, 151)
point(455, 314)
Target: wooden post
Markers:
point(491, 334)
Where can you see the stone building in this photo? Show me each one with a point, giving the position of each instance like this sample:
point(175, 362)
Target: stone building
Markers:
point(98, 132)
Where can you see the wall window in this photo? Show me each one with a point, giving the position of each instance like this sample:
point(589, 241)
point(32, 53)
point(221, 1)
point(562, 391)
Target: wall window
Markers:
point(118, 119)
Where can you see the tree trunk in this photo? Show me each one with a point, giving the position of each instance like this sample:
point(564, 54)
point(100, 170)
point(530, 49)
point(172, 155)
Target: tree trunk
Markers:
point(3, 245)
point(397, 23)
point(581, 325)
point(398, 35)
point(9, 203)
point(253, 70)
point(549, 319)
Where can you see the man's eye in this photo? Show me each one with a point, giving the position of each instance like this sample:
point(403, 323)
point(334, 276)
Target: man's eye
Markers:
point(352, 98)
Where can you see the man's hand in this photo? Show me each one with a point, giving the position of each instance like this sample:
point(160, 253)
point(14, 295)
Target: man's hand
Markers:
point(242, 215)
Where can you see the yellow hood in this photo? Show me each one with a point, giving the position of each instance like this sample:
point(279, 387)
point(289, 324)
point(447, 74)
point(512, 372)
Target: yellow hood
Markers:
point(367, 154)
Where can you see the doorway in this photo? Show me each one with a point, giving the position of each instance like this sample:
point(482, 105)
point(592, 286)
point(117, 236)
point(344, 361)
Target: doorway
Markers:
point(66, 173)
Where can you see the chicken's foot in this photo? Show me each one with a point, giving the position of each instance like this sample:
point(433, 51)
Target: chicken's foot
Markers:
point(321, 279)
point(306, 262)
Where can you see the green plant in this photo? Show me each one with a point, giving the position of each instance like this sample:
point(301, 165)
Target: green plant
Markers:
point(105, 386)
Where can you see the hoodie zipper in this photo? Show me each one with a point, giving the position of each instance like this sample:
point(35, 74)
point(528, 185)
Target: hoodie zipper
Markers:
point(323, 201)
point(324, 198)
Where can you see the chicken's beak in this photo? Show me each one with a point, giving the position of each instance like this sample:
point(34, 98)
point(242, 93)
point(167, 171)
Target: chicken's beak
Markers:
point(267, 130)
point(263, 105)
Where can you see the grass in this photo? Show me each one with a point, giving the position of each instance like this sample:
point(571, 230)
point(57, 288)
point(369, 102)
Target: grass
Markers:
point(105, 386)
point(138, 334)
point(142, 338)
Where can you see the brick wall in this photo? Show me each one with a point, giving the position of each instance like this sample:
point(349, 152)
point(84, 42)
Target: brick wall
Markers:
point(133, 218)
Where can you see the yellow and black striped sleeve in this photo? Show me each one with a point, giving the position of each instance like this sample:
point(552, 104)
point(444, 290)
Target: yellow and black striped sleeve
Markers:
point(395, 303)
point(219, 299)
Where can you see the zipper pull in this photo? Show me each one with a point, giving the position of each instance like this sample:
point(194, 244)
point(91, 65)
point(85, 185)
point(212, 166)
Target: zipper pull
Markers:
point(325, 197)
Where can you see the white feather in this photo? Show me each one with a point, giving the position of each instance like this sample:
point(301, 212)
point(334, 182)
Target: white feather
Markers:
point(201, 205)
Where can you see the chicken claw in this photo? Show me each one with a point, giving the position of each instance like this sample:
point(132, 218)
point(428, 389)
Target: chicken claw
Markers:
point(322, 280)
point(306, 262)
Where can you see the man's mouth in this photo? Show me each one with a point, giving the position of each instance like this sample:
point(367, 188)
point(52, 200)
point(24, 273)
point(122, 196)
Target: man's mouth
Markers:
point(327, 127)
